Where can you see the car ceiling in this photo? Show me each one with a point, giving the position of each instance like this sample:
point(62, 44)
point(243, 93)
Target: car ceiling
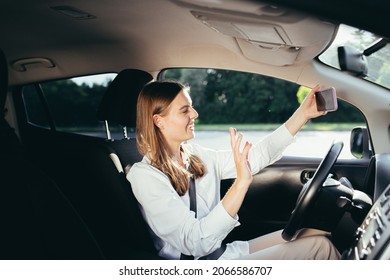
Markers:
point(153, 35)
point(372, 15)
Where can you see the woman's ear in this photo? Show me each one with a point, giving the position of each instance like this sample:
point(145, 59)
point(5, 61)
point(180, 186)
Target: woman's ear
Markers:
point(157, 120)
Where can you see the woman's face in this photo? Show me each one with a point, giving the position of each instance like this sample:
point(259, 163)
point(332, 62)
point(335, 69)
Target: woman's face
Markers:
point(178, 125)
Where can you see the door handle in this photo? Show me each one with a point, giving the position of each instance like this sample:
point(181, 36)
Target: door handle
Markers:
point(306, 175)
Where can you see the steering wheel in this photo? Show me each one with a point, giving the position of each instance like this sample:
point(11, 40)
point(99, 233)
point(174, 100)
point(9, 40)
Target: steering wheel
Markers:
point(310, 190)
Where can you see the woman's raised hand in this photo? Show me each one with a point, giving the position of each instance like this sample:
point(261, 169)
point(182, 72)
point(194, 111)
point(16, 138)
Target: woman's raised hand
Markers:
point(309, 105)
point(234, 197)
point(244, 176)
point(306, 111)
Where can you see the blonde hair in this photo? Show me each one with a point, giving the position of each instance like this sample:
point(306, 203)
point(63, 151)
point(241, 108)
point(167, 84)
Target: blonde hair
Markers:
point(155, 98)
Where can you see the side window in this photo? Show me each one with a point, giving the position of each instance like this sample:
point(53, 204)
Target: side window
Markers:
point(35, 110)
point(68, 105)
point(256, 105)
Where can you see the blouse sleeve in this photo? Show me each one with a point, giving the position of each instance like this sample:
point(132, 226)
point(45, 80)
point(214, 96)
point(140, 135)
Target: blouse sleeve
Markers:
point(171, 220)
point(263, 153)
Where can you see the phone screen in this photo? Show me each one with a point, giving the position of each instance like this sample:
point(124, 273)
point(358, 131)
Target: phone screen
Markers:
point(326, 100)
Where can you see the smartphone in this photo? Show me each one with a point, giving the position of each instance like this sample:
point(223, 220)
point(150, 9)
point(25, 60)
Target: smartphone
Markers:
point(326, 100)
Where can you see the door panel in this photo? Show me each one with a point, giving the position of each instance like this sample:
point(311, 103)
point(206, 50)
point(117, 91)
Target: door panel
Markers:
point(274, 191)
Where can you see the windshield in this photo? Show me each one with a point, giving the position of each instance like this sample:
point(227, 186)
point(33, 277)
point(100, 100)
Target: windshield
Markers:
point(378, 62)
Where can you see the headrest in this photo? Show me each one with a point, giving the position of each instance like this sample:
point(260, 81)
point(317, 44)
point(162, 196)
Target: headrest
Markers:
point(120, 100)
point(3, 81)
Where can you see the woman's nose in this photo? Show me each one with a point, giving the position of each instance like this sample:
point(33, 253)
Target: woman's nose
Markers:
point(194, 114)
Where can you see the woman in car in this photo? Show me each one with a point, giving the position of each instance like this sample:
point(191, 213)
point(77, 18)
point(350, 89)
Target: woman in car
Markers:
point(160, 182)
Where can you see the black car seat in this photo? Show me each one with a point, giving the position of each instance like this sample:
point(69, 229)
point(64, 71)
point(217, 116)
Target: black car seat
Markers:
point(96, 185)
point(118, 106)
point(37, 221)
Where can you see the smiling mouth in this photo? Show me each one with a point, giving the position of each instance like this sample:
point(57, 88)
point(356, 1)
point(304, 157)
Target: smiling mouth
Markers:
point(191, 126)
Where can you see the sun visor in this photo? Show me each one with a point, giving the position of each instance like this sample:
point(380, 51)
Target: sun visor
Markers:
point(285, 33)
point(250, 31)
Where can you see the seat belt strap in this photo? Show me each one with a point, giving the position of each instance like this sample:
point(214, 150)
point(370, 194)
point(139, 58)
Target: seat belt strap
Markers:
point(192, 194)
point(217, 253)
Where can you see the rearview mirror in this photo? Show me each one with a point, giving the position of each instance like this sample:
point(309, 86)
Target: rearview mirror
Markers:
point(352, 60)
point(360, 143)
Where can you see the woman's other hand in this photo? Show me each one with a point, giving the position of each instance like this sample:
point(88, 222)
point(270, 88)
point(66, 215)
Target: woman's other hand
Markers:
point(234, 197)
point(244, 175)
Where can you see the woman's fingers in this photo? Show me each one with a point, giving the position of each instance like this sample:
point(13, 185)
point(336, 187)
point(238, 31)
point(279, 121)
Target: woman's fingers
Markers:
point(240, 155)
point(237, 145)
point(233, 133)
point(235, 141)
point(309, 105)
point(315, 89)
point(245, 151)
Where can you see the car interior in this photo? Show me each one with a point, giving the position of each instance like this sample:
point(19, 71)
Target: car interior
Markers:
point(65, 195)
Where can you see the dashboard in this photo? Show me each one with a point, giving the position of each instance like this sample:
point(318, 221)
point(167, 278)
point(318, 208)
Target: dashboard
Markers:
point(372, 238)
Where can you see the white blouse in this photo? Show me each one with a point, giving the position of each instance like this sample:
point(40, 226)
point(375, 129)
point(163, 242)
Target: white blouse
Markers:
point(173, 226)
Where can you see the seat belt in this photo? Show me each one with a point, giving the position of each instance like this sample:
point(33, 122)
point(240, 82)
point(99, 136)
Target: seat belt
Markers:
point(192, 195)
point(217, 253)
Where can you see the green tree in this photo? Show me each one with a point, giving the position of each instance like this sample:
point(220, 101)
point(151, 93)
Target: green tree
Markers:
point(236, 97)
point(73, 105)
point(223, 96)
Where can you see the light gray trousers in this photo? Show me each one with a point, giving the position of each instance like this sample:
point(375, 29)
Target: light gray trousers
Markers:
point(308, 245)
